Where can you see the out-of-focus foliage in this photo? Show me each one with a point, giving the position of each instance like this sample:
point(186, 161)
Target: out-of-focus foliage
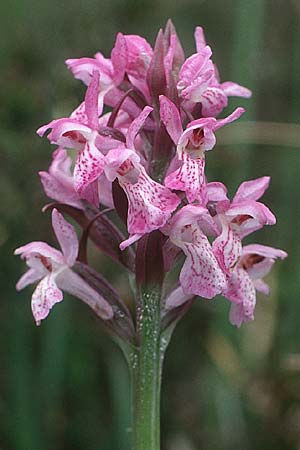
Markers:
point(65, 385)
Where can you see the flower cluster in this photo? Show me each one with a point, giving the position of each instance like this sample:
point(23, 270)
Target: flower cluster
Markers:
point(146, 159)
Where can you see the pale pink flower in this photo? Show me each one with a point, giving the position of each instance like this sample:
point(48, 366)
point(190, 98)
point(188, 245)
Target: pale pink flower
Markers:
point(240, 218)
point(53, 269)
point(254, 264)
point(72, 133)
point(201, 274)
point(58, 182)
point(192, 143)
point(150, 204)
point(199, 81)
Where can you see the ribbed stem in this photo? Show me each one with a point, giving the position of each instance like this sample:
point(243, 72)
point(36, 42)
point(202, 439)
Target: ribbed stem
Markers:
point(146, 373)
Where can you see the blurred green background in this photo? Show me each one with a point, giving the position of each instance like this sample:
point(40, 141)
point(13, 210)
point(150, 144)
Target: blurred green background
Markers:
point(65, 385)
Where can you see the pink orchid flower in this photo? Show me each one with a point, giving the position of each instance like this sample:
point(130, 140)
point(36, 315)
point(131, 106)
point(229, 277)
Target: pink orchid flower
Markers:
point(72, 133)
point(111, 70)
point(240, 218)
point(201, 274)
point(192, 143)
point(199, 81)
point(58, 182)
point(131, 55)
point(150, 204)
point(254, 264)
point(53, 269)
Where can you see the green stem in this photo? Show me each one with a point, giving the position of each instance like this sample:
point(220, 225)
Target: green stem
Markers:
point(146, 373)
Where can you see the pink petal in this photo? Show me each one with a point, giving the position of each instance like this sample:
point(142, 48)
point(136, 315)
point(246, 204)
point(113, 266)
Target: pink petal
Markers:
point(199, 39)
point(236, 114)
point(235, 90)
point(251, 190)
point(201, 274)
point(261, 287)
point(58, 183)
point(44, 297)
point(115, 158)
point(190, 140)
point(66, 237)
point(259, 259)
point(194, 66)
point(39, 248)
point(216, 191)
point(189, 178)
point(171, 118)
point(241, 292)
point(131, 240)
point(250, 216)
point(72, 283)
point(91, 193)
point(136, 126)
point(119, 58)
point(91, 102)
point(195, 89)
point(227, 247)
point(66, 132)
point(79, 114)
point(59, 192)
point(83, 68)
point(139, 54)
point(213, 101)
point(263, 250)
point(29, 277)
point(89, 166)
point(150, 204)
point(105, 192)
point(176, 298)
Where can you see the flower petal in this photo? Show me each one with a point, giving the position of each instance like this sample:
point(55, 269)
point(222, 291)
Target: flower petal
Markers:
point(39, 248)
point(176, 298)
point(57, 191)
point(227, 247)
point(199, 39)
point(66, 237)
point(66, 132)
point(235, 90)
point(252, 189)
point(150, 204)
point(136, 125)
point(29, 277)
point(119, 58)
point(240, 290)
point(189, 178)
point(44, 297)
point(236, 114)
point(213, 101)
point(264, 250)
point(201, 274)
point(89, 166)
point(170, 116)
point(250, 216)
point(72, 283)
point(91, 102)
point(83, 68)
